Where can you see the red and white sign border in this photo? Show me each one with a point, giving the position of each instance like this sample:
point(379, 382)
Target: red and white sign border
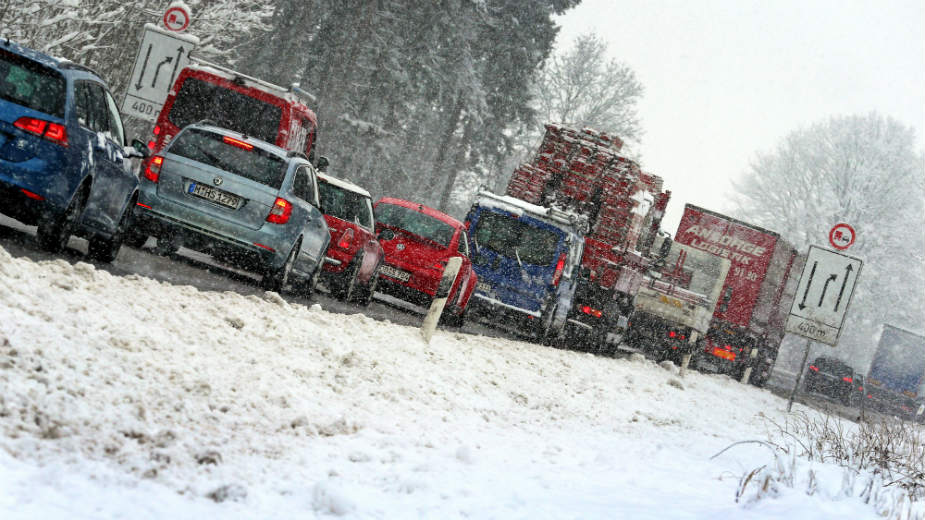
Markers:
point(181, 11)
point(837, 227)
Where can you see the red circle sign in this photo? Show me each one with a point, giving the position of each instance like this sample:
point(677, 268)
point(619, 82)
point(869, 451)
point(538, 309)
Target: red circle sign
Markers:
point(176, 19)
point(841, 236)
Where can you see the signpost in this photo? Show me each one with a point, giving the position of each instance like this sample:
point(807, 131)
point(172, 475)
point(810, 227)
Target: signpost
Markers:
point(161, 56)
point(822, 297)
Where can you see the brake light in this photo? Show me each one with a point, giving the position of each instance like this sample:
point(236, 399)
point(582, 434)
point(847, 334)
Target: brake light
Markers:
point(157, 130)
point(671, 334)
point(724, 354)
point(560, 266)
point(52, 131)
point(345, 239)
point(237, 142)
point(153, 170)
point(814, 368)
point(591, 311)
point(281, 211)
point(31, 195)
point(847, 379)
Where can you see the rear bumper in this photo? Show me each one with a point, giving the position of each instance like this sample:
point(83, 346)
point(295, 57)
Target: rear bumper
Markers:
point(48, 177)
point(500, 313)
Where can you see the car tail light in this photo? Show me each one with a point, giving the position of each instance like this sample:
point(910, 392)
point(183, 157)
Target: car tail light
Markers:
point(671, 334)
point(560, 266)
point(52, 131)
point(153, 170)
point(157, 130)
point(814, 368)
point(237, 142)
point(31, 195)
point(346, 239)
point(282, 210)
point(847, 379)
point(591, 311)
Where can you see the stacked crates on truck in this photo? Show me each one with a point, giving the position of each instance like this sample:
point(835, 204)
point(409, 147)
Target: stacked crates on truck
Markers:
point(750, 317)
point(582, 172)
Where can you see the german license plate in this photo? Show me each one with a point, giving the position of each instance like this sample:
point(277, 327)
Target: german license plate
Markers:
point(218, 196)
point(392, 272)
point(483, 287)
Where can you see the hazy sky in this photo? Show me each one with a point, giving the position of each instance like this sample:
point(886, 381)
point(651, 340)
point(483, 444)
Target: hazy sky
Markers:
point(725, 79)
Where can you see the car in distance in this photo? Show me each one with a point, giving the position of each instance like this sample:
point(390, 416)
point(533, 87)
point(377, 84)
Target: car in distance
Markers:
point(64, 163)
point(418, 241)
point(351, 267)
point(240, 199)
point(832, 378)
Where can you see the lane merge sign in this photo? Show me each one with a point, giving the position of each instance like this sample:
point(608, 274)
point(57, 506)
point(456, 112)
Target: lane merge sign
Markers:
point(823, 294)
point(162, 55)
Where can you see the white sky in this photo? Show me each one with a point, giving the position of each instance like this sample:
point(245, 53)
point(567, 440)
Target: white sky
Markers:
point(725, 79)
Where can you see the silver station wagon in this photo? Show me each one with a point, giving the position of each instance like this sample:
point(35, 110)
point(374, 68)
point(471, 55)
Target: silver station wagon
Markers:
point(242, 200)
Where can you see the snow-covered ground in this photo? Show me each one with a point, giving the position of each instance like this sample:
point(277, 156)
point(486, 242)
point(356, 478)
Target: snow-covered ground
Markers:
point(123, 397)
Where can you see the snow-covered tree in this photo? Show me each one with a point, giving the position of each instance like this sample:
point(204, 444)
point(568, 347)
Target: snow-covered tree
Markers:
point(862, 170)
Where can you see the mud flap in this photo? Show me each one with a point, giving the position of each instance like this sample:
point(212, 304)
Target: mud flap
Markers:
point(443, 290)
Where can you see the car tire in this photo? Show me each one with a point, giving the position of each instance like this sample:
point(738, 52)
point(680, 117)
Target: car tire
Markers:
point(276, 279)
point(54, 231)
point(346, 286)
point(308, 288)
point(107, 249)
point(364, 294)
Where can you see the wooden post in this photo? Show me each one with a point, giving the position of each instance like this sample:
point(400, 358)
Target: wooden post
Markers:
point(686, 358)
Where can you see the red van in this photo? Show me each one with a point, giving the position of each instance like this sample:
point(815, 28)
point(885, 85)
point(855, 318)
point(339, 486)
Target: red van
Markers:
point(229, 99)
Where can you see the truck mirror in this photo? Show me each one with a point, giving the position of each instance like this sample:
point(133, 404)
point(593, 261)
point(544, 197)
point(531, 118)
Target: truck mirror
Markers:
point(666, 248)
point(323, 163)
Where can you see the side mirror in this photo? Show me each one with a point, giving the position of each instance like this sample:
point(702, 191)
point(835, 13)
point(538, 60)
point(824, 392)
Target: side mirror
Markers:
point(385, 235)
point(323, 163)
point(138, 150)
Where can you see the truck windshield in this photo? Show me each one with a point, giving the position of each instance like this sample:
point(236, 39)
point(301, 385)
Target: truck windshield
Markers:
point(415, 223)
point(198, 100)
point(30, 84)
point(215, 150)
point(515, 238)
point(346, 205)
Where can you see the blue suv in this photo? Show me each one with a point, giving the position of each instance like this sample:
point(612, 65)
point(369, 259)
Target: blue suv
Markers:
point(64, 163)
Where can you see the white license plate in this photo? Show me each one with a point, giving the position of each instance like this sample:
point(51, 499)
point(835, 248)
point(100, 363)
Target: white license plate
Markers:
point(483, 287)
point(398, 274)
point(218, 196)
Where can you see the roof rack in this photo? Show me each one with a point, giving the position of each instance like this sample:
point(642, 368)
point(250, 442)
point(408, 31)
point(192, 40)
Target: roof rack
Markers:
point(294, 88)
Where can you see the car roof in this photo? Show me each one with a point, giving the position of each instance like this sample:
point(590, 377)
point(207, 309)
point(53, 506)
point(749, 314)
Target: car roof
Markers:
point(272, 148)
point(427, 210)
point(343, 184)
point(59, 64)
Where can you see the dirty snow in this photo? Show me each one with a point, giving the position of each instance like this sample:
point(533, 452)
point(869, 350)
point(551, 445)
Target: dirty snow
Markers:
point(124, 397)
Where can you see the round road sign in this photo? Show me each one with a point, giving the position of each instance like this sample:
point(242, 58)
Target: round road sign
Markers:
point(841, 236)
point(176, 18)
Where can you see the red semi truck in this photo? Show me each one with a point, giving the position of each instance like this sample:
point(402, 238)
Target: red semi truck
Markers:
point(582, 172)
point(749, 320)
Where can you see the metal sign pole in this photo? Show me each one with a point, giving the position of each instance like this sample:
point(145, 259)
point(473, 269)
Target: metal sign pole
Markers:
point(796, 384)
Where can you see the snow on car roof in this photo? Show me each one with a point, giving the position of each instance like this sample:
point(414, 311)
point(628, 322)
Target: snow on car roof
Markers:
point(519, 206)
point(343, 184)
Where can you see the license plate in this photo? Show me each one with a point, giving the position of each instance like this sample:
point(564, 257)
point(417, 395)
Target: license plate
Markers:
point(218, 196)
point(483, 287)
point(398, 274)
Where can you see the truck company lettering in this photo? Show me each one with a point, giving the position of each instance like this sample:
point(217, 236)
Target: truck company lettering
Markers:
point(735, 249)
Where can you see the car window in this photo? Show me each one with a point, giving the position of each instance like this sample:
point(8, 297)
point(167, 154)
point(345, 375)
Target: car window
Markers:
point(115, 120)
point(232, 155)
point(346, 205)
point(91, 106)
point(31, 84)
point(415, 223)
point(463, 245)
point(198, 100)
point(302, 185)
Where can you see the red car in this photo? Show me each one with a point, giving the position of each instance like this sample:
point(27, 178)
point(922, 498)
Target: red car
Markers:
point(350, 270)
point(418, 241)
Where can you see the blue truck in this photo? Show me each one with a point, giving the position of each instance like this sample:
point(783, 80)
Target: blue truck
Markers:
point(896, 377)
point(527, 259)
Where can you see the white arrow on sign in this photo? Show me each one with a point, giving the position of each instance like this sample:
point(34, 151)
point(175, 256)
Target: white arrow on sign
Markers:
point(823, 294)
point(160, 58)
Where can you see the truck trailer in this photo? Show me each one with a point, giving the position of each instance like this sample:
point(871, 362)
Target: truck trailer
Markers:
point(894, 382)
point(749, 320)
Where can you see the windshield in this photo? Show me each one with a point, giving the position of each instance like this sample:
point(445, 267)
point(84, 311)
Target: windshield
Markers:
point(515, 238)
point(199, 100)
point(414, 222)
point(210, 148)
point(30, 84)
point(346, 205)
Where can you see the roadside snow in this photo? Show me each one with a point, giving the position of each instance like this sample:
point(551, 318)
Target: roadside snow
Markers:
point(123, 397)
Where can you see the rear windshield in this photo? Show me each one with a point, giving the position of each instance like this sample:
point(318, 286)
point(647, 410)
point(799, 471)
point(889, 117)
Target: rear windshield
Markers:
point(30, 84)
point(416, 223)
point(515, 238)
point(210, 148)
point(346, 205)
point(199, 100)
